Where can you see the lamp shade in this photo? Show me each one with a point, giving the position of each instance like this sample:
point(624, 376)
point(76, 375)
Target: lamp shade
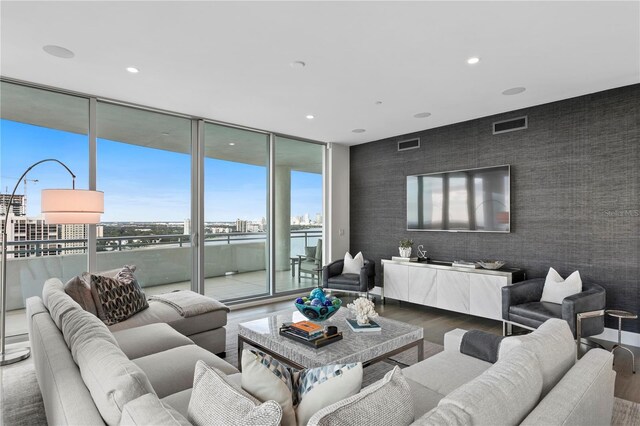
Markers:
point(72, 206)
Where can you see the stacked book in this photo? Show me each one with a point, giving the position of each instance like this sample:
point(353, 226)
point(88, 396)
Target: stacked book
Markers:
point(359, 328)
point(306, 329)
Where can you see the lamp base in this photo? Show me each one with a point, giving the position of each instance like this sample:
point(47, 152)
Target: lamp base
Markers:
point(14, 355)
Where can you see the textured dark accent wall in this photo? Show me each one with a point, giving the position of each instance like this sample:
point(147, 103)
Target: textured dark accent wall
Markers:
point(575, 192)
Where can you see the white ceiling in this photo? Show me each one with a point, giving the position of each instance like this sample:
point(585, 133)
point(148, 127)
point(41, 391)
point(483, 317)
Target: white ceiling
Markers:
point(230, 61)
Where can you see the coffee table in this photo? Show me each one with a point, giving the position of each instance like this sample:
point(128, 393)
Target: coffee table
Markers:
point(366, 347)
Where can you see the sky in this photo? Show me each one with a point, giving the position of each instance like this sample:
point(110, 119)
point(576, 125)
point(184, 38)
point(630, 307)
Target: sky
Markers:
point(141, 183)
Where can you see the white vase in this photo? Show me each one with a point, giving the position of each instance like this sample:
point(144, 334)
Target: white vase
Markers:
point(405, 251)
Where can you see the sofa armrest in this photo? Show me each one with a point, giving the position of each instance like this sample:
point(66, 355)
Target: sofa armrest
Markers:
point(452, 339)
point(519, 293)
point(583, 396)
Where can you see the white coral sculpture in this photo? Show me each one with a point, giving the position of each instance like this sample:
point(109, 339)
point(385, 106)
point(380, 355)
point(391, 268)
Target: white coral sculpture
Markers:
point(363, 309)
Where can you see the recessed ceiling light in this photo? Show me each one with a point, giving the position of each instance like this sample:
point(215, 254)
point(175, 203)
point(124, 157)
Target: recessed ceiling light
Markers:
point(310, 117)
point(473, 60)
point(165, 133)
point(422, 115)
point(358, 130)
point(58, 51)
point(232, 143)
point(514, 91)
point(297, 64)
point(133, 70)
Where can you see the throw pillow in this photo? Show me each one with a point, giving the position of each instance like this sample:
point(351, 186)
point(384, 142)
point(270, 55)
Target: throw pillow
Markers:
point(117, 298)
point(556, 289)
point(215, 400)
point(80, 291)
point(386, 402)
point(266, 378)
point(316, 388)
point(299, 393)
point(352, 265)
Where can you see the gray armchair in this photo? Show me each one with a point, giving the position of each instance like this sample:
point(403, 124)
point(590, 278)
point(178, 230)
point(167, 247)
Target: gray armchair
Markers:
point(311, 262)
point(584, 312)
point(334, 279)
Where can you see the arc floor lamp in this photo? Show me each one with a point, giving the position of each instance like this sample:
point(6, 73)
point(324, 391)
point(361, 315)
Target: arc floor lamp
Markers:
point(59, 206)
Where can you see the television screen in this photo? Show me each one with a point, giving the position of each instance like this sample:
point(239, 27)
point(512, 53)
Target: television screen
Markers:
point(475, 200)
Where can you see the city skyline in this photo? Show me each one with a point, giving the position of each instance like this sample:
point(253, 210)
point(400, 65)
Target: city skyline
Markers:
point(157, 181)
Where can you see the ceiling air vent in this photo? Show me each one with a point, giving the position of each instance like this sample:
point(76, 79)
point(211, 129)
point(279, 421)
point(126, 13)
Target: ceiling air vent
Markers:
point(511, 125)
point(409, 144)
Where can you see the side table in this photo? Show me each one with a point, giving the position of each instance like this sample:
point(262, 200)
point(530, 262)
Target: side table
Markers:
point(622, 315)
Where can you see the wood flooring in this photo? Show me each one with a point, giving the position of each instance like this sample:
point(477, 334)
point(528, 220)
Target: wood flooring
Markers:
point(437, 322)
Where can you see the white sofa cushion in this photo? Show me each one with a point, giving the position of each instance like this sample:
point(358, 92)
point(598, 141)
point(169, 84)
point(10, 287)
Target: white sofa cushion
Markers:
point(57, 301)
point(214, 400)
point(386, 402)
point(502, 395)
point(80, 327)
point(149, 410)
point(553, 345)
point(111, 377)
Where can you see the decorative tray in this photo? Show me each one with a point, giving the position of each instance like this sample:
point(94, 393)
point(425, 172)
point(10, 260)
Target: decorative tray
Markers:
point(316, 343)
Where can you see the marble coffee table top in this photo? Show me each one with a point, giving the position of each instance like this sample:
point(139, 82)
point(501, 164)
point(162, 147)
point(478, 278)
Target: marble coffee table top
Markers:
point(354, 347)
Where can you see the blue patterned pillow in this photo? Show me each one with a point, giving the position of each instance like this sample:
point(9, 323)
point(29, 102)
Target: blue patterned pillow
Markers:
point(300, 393)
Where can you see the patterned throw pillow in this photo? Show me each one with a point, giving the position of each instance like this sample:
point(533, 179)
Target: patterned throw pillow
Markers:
point(299, 393)
point(117, 298)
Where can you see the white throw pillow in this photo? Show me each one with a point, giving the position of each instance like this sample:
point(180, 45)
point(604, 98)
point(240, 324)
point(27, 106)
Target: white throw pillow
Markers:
point(216, 401)
point(352, 265)
point(266, 378)
point(556, 288)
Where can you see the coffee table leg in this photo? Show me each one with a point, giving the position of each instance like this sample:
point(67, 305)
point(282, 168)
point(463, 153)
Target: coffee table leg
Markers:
point(240, 344)
point(420, 350)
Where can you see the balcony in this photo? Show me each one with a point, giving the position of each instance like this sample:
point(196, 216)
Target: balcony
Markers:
point(235, 265)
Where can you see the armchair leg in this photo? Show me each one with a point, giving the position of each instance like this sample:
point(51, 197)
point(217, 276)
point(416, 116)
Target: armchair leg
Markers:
point(507, 329)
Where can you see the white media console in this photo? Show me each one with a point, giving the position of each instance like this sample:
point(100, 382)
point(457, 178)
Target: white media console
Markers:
point(470, 291)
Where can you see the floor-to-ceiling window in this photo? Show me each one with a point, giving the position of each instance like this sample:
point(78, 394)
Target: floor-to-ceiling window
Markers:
point(261, 197)
point(144, 170)
point(236, 250)
point(38, 124)
point(298, 213)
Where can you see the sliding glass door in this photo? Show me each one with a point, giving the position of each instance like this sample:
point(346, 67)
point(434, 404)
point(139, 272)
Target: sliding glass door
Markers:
point(236, 249)
point(144, 169)
point(298, 213)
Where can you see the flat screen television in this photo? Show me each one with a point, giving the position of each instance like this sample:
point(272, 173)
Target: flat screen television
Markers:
point(474, 200)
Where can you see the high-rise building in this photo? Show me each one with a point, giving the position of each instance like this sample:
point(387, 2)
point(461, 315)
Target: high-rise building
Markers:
point(34, 230)
point(19, 204)
point(187, 227)
point(74, 232)
point(241, 225)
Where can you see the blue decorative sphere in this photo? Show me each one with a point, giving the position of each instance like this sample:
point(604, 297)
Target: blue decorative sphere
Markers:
point(320, 309)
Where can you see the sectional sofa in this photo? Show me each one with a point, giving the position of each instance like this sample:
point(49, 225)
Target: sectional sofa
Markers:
point(90, 375)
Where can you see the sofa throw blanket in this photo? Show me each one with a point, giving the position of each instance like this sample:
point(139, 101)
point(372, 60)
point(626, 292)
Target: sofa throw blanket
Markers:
point(481, 345)
point(188, 303)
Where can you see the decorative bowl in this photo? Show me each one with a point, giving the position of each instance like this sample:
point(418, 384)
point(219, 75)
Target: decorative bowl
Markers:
point(319, 313)
point(491, 264)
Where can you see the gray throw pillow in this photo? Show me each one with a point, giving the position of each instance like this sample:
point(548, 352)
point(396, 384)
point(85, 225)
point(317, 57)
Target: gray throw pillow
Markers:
point(216, 401)
point(386, 402)
point(117, 298)
point(80, 291)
